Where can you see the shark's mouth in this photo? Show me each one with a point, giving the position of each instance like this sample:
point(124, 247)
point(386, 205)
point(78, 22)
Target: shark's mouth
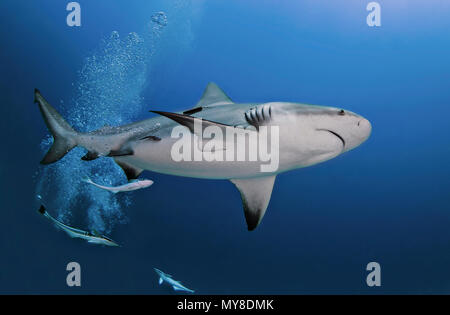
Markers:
point(337, 135)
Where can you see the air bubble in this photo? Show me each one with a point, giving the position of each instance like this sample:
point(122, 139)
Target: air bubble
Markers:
point(159, 18)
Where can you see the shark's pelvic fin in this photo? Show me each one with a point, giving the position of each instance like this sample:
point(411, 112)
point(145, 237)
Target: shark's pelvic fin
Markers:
point(130, 171)
point(213, 96)
point(255, 194)
point(64, 136)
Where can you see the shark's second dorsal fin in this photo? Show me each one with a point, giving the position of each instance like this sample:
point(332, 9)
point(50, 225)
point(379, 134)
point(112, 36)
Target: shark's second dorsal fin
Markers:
point(255, 194)
point(213, 96)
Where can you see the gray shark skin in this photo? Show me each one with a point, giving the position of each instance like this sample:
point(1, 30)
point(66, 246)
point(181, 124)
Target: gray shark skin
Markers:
point(176, 285)
point(308, 134)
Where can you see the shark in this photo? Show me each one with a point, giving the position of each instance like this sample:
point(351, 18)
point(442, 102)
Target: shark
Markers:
point(300, 135)
point(174, 283)
point(93, 238)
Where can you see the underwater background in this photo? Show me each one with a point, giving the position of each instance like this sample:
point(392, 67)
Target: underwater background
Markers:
point(387, 201)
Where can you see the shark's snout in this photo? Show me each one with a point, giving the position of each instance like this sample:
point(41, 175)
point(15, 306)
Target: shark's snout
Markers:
point(365, 128)
point(357, 132)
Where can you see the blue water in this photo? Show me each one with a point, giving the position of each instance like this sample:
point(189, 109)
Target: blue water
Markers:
point(387, 201)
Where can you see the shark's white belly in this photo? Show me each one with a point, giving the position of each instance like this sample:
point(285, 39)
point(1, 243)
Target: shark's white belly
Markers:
point(158, 157)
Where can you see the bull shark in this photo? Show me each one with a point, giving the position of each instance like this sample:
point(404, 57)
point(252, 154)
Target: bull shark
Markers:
point(174, 283)
point(303, 135)
point(93, 238)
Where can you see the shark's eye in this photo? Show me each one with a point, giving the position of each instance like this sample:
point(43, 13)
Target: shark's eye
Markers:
point(341, 112)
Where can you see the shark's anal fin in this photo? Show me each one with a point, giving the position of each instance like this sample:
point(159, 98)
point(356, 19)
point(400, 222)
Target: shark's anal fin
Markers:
point(90, 156)
point(255, 194)
point(131, 172)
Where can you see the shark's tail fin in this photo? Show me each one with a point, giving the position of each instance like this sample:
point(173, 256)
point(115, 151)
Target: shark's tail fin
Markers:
point(64, 136)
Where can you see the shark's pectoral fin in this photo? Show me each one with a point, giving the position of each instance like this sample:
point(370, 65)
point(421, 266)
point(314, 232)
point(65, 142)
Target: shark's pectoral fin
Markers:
point(193, 110)
point(90, 156)
point(255, 194)
point(160, 280)
point(215, 142)
point(130, 171)
point(189, 121)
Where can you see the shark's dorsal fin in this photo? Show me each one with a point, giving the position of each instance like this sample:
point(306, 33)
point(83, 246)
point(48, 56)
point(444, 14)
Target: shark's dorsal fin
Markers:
point(213, 96)
point(255, 194)
point(95, 233)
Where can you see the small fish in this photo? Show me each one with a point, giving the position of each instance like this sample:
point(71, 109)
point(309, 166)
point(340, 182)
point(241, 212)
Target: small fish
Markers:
point(94, 238)
point(133, 185)
point(174, 283)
